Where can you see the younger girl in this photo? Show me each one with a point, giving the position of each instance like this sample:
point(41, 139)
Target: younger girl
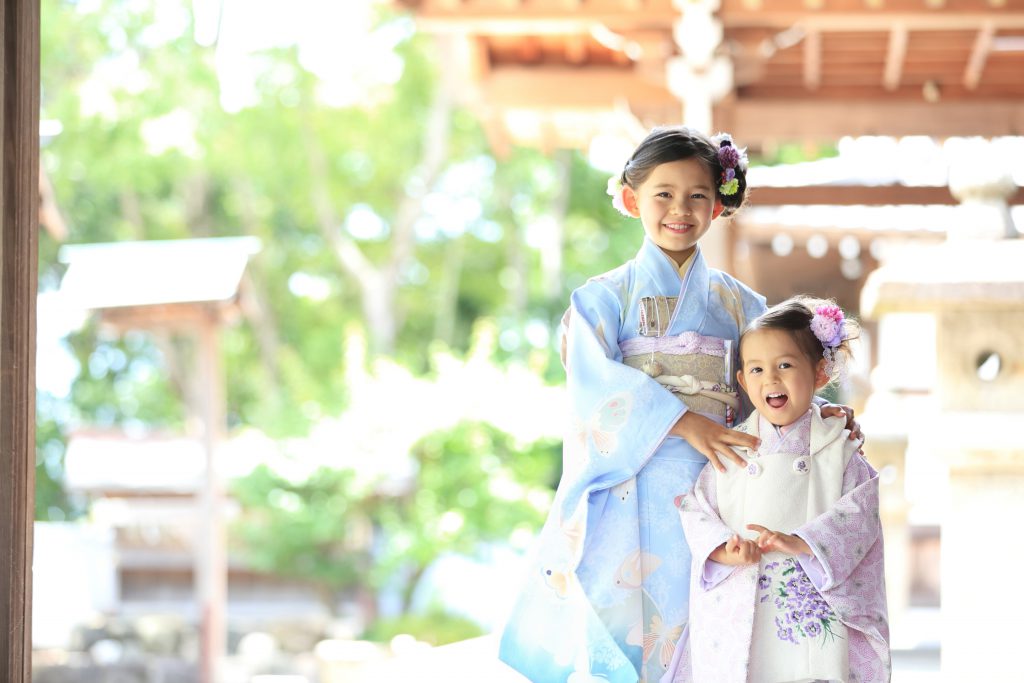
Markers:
point(647, 351)
point(788, 581)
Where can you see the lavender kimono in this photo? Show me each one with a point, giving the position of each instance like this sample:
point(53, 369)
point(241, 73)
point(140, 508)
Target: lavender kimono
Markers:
point(788, 618)
point(606, 597)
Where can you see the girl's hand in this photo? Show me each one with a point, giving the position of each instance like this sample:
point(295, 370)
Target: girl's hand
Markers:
point(712, 439)
point(835, 410)
point(736, 551)
point(776, 541)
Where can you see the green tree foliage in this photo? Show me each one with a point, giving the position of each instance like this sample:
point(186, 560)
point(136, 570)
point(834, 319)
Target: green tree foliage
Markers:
point(333, 192)
point(294, 172)
point(317, 529)
point(435, 626)
point(471, 485)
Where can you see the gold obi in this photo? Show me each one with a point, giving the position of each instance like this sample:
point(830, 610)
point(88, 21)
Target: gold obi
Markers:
point(696, 369)
point(705, 368)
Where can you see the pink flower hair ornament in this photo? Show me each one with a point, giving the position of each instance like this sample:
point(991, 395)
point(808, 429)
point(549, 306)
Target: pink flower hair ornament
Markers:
point(827, 326)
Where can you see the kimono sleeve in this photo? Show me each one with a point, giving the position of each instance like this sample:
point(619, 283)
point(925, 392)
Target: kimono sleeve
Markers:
point(847, 542)
point(704, 529)
point(618, 415)
point(841, 537)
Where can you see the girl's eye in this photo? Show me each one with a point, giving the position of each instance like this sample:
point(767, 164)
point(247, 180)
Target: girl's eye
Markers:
point(698, 195)
point(754, 371)
point(784, 365)
point(664, 195)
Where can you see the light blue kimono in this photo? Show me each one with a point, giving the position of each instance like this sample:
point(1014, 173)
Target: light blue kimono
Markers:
point(606, 595)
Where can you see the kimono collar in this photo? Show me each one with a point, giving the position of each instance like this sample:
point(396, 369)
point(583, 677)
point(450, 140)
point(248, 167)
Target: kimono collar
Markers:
point(823, 430)
point(693, 289)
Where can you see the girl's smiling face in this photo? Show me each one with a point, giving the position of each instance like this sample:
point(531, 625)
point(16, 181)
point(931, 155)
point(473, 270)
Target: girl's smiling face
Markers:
point(676, 205)
point(778, 377)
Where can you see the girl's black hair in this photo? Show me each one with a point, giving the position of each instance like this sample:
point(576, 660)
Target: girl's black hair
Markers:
point(794, 315)
point(672, 143)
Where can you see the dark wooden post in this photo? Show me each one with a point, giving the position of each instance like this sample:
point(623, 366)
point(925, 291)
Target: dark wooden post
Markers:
point(19, 205)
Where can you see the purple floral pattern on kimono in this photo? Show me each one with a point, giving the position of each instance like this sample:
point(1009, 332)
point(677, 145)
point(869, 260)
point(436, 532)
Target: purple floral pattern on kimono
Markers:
point(847, 543)
point(802, 611)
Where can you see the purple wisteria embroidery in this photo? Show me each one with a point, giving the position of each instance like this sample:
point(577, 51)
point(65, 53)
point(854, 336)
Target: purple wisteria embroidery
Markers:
point(802, 611)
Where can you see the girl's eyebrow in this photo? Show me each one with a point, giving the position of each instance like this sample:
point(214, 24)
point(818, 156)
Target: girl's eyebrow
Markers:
point(695, 187)
point(784, 356)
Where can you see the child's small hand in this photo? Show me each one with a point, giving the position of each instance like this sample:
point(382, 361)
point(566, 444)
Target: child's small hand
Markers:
point(776, 541)
point(712, 439)
point(836, 410)
point(736, 551)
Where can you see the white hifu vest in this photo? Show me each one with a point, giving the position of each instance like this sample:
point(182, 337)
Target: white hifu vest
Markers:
point(795, 636)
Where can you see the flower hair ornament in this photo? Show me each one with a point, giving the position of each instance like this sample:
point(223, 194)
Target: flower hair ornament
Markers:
point(730, 158)
point(614, 190)
point(827, 326)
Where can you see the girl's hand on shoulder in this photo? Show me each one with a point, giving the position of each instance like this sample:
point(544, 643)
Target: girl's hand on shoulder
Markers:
point(712, 439)
point(736, 551)
point(776, 541)
point(836, 410)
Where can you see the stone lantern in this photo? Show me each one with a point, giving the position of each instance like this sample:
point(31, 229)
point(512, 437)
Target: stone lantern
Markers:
point(973, 286)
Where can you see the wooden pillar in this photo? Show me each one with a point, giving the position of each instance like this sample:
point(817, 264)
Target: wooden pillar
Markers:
point(19, 205)
point(212, 554)
point(699, 78)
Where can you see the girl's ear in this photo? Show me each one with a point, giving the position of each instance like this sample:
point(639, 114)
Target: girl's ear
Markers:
point(742, 380)
point(821, 378)
point(629, 201)
point(719, 208)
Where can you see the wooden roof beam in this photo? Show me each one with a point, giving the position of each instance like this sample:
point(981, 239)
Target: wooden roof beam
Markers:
point(895, 57)
point(758, 120)
point(860, 195)
point(979, 55)
point(812, 59)
point(874, 21)
point(550, 88)
point(762, 10)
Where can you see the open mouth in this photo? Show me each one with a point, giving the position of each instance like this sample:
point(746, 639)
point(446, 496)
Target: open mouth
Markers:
point(776, 400)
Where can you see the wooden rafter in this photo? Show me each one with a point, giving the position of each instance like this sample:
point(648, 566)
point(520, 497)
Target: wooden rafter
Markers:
point(979, 54)
point(802, 69)
point(576, 49)
point(860, 195)
point(755, 121)
point(564, 88)
point(873, 21)
point(762, 10)
point(552, 17)
point(762, 233)
point(812, 59)
point(895, 57)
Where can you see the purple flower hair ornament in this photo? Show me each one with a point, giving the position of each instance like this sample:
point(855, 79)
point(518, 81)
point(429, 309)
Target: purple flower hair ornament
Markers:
point(730, 158)
point(827, 326)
